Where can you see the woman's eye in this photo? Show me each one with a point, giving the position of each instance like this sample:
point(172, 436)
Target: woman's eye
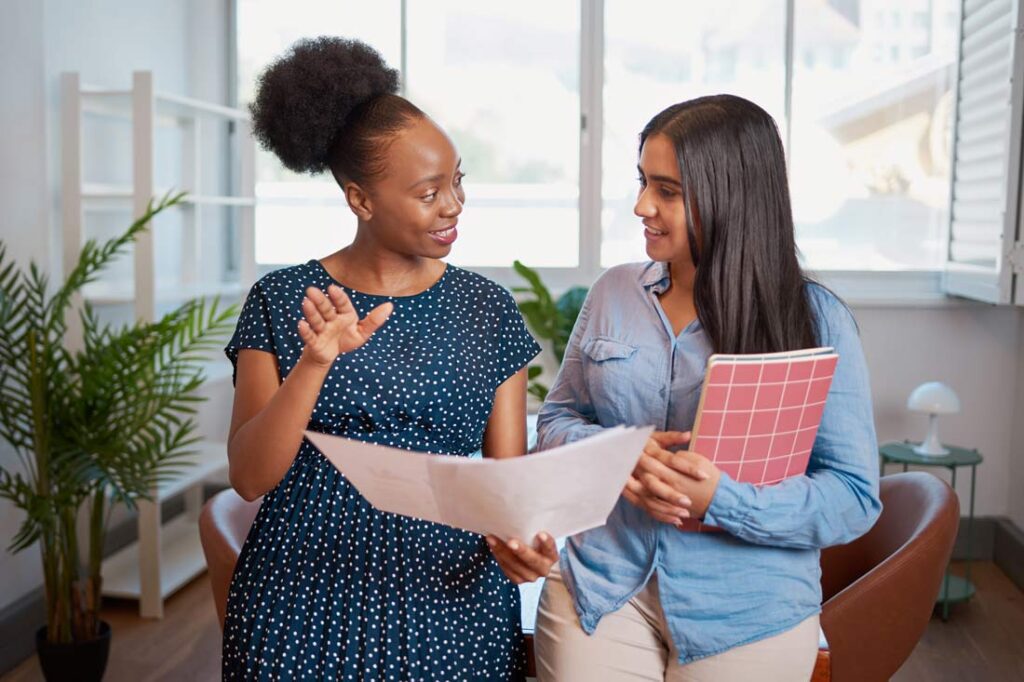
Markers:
point(667, 193)
point(430, 197)
point(642, 180)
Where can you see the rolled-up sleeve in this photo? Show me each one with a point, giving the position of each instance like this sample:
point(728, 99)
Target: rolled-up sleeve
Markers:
point(837, 500)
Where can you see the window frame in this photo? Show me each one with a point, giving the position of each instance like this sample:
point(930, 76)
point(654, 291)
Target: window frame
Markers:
point(912, 287)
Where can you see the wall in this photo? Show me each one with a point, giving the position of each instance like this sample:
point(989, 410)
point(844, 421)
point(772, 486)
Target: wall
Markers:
point(25, 212)
point(976, 349)
point(1016, 477)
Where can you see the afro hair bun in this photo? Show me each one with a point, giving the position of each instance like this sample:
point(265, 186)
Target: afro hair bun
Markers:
point(305, 97)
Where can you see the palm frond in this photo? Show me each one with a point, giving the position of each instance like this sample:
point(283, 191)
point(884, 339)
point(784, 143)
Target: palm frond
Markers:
point(39, 514)
point(136, 397)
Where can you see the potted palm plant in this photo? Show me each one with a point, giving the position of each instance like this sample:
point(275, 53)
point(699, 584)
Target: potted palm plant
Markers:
point(94, 425)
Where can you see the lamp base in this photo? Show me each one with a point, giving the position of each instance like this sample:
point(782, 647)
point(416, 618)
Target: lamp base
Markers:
point(932, 446)
point(928, 451)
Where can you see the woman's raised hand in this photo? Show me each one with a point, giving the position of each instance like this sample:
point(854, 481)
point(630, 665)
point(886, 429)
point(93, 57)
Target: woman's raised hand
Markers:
point(332, 326)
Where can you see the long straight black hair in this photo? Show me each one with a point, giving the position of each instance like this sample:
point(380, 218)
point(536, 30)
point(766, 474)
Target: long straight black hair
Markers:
point(750, 291)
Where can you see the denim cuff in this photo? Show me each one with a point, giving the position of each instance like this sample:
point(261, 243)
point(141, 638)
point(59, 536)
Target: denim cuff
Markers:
point(730, 505)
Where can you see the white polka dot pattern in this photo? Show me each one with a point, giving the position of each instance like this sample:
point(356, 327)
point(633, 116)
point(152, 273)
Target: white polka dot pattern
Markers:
point(326, 586)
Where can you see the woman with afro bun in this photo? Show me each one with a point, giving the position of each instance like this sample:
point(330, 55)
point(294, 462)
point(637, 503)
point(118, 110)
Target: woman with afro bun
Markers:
point(381, 342)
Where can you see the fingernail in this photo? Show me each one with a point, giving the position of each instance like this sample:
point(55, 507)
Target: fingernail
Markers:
point(543, 537)
point(684, 514)
point(704, 475)
point(491, 542)
point(514, 546)
point(685, 501)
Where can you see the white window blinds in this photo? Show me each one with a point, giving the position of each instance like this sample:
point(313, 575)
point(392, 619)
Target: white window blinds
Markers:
point(985, 259)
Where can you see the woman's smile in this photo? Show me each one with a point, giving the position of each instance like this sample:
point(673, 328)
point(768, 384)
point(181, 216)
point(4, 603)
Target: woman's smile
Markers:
point(446, 235)
point(652, 233)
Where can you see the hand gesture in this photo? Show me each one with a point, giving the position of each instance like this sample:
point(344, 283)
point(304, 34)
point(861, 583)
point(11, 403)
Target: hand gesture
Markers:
point(521, 563)
point(332, 326)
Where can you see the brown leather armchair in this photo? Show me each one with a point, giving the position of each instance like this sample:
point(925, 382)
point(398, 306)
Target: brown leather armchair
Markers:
point(878, 591)
point(223, 526)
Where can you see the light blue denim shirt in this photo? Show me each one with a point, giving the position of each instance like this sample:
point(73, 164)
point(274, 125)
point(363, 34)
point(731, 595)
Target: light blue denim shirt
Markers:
point(624, 365)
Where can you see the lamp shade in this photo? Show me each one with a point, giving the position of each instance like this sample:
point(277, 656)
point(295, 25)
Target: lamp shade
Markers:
point(934, 397)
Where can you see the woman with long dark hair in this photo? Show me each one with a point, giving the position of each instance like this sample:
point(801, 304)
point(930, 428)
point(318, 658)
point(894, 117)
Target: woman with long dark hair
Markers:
point(642, 597)
point(382, 342)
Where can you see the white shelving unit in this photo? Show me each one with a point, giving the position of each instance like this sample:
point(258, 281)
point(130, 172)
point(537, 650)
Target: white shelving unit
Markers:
point(167, 555)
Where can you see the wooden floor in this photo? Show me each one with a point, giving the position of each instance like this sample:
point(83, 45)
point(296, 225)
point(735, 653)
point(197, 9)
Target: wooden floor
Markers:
point(983, 639)
point(185, 645)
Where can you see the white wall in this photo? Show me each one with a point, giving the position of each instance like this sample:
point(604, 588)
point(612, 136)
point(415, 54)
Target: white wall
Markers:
point(1016, 477)
point(184, 43)
point(22, 140)
point(976, 349)
point(25, 212)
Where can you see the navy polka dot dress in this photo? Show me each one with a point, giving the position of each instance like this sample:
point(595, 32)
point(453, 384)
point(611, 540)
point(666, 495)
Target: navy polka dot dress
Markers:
point(326, 586)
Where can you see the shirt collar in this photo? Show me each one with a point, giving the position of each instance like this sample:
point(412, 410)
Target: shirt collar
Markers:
point(655, 277)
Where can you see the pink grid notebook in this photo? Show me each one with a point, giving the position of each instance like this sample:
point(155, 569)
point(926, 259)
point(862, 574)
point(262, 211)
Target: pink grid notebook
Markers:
point(759, 414)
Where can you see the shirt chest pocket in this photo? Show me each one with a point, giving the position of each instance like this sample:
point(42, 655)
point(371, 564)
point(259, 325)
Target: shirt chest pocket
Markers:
point(610, 366)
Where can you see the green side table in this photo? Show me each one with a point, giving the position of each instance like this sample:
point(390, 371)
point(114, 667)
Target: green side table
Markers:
point(954, 588)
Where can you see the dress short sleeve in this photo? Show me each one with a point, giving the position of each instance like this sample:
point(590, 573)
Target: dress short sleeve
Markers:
point(516, 346)
point(254, 330)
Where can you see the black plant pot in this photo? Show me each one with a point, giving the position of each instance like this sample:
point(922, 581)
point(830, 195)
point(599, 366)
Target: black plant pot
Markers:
point(78, 661)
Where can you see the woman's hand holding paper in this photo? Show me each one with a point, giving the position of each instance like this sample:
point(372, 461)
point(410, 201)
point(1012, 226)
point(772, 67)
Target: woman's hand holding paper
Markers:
point(522, 563)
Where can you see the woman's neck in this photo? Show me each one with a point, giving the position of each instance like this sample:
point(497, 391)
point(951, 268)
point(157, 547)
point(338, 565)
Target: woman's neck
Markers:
point(681, 279)
point(677, 301)
point(364, 265)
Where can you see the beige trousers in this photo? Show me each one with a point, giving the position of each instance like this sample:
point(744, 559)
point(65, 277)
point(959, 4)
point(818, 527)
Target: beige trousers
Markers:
point(633, 643)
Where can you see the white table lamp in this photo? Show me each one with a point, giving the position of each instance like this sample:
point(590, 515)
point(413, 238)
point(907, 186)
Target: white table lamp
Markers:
point(933, 398)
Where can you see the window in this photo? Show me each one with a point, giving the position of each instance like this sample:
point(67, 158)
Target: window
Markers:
point(503, 80)
point(299, 217)
point(658, 53)
point(869, 154)
point(545, 101)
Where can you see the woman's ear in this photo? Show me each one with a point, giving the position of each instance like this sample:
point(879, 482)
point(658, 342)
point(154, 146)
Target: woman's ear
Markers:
point(359, 201)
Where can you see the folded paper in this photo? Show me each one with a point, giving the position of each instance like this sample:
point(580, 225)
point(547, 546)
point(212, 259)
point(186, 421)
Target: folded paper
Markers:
point(562, 491)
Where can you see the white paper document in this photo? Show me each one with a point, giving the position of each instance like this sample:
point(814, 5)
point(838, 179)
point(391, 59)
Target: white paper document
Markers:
point(562, 491)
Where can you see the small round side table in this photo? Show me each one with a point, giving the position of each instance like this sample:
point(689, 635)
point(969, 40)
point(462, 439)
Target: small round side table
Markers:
point(954, 588)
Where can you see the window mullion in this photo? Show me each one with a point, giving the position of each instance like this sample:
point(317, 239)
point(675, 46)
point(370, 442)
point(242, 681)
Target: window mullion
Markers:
point(591, 131)
point(787, 64)
point(403, 51)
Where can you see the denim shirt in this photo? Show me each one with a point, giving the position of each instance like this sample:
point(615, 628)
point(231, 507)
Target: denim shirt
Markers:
point(625, 365)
